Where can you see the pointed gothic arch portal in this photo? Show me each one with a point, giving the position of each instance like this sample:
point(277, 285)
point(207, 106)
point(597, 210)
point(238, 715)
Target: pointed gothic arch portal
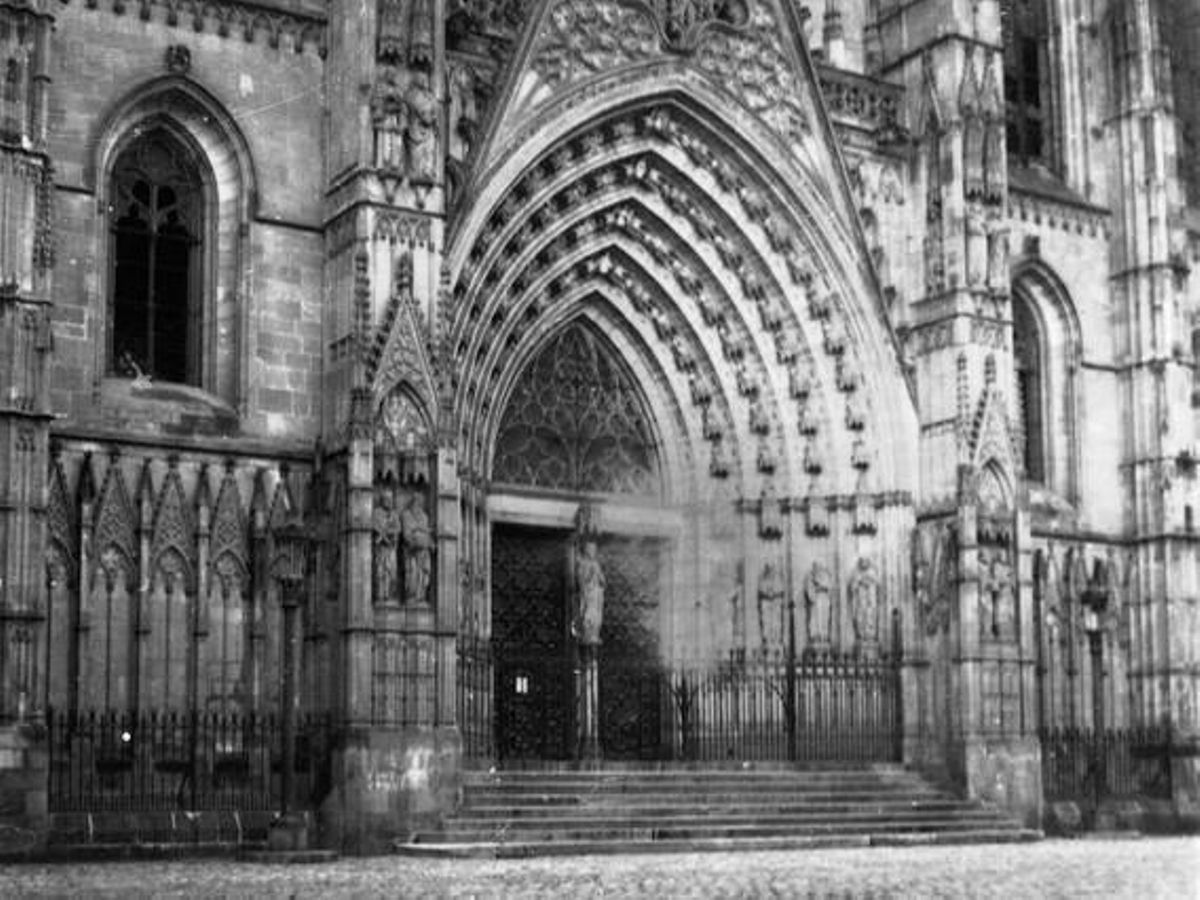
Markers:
point(575, 435)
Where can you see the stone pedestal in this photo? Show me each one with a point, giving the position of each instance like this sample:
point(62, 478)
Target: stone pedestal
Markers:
point(388, 783)
point(588, 691)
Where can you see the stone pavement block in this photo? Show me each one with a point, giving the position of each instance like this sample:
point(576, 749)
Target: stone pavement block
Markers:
point(1166, 868)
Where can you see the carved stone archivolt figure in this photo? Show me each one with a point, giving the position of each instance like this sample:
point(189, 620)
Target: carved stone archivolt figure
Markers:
point(417, 537)
point(818, 593)
point(864, 602)
point(589, 586)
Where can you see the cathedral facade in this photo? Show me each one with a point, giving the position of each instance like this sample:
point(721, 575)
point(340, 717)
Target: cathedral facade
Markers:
point(569, 339)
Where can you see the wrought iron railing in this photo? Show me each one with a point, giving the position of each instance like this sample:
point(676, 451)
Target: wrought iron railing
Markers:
point(827, 706)
point(816, 707)
point(120, 761)
point(475, 697)
point(1082, 765)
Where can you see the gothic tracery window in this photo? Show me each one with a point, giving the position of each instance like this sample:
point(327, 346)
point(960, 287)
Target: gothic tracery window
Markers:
point(575, 422)
point(156, 220)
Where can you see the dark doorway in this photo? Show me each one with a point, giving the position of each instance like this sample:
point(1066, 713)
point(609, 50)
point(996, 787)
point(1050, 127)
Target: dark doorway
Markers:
point(536, 658)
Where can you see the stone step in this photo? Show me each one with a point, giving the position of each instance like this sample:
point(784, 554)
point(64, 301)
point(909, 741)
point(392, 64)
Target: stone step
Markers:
point(516, 813)
point(642, 809)
point(523, 849)
point(700, 795)
point(461, 829)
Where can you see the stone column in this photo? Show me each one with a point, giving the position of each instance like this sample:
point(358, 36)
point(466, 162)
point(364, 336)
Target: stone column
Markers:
point(26, 261)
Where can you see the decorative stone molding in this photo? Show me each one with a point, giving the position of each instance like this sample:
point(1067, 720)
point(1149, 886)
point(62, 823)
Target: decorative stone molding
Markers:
point(231, 18)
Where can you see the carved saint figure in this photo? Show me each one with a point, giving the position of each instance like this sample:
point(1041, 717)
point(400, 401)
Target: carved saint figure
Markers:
point(589, 585)
point(818, 589)
point(389, 114)
point(864, 602)
point(977, 247)
point(999, 614)
point(418, 547)
point(997, 264)
point(421, 131)
point(771, 591)
point(387, 532)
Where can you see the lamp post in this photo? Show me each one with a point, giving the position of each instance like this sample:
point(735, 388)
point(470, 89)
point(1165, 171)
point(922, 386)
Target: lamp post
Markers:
point(1095, 603)
point(291, 559)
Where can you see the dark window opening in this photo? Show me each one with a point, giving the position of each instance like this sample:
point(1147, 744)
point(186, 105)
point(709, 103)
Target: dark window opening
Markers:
point(157, 199)
point(1179, 27)
point(1023, 25)
point(1027, 360)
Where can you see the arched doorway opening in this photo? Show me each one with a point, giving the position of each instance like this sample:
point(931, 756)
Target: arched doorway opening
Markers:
point(576, 474)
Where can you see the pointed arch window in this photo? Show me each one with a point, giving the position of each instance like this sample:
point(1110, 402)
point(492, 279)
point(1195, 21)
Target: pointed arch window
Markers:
point(1024, 30)
point(1027, 359)
point(157, 220)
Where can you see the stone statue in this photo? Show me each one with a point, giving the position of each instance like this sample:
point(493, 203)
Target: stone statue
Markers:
point(421, 131)
point(999, 615)
point(418, 548)
point(389, 114)
point(997, 264)
point(864, 602)
point(771, 591)
point(977, 247)
point(589, 585)
point(386, 526)
point(818, 589)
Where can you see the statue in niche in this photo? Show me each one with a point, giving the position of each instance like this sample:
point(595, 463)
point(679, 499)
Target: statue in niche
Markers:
point(589, 585)
point(389, 114)
point(417, 538)
point(818, 591)
point(998, 611)
point(421, 131)
point(977, 246)
point(864, 602)
point(997, 264)
point(386, 529)
point(771, 591)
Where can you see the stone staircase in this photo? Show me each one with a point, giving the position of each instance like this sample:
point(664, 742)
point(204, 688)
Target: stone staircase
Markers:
point(540, 813)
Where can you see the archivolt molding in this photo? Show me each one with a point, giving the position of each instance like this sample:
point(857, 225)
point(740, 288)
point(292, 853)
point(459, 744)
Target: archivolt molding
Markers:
point(639, 160)
point(686, 345)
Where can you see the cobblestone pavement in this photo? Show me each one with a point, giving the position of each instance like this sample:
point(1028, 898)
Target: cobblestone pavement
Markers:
point(1142, 868)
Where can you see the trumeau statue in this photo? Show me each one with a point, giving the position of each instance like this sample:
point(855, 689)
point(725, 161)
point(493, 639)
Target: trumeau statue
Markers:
point(589, 584)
